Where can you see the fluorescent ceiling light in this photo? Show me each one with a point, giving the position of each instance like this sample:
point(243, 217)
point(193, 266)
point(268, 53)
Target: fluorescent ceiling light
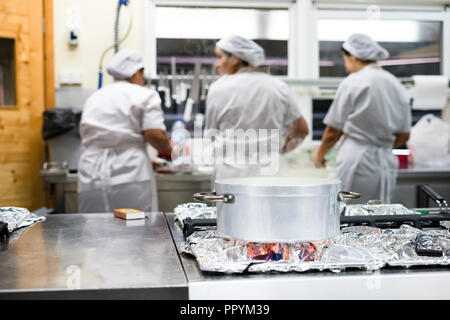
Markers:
point(211, 23)
point(379, 30)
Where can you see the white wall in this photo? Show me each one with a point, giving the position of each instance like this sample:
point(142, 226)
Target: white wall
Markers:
point(96, 33)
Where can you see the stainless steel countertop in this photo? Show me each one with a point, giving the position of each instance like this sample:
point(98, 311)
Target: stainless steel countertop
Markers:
point(424, 173)
point(56, 176)
point(93, 256)
point(183, 177)
point(389, 283)
point(402, 173)
point(411, 172)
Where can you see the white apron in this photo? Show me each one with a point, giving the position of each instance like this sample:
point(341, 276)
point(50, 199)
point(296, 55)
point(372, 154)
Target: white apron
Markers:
point(114, 170)
point(107, 182)
point(366, 169)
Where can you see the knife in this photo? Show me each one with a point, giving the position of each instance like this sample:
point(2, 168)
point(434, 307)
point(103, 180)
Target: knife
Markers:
point(173, 71)
point(162, 87)
point(193, 95)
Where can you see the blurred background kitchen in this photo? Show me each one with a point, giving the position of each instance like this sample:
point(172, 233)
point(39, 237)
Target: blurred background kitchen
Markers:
point(53, 56)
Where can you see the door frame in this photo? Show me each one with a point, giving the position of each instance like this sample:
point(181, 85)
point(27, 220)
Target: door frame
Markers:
point(14, 36)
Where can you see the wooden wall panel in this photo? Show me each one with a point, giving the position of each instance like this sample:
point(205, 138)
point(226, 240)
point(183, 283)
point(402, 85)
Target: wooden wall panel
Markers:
point(49, 57)
point(21, 143)
point(37, 103)
point(14, 157)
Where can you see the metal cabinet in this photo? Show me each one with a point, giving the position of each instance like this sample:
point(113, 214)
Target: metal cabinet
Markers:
point(172, 189)
point(176, 189)
point(408, 180)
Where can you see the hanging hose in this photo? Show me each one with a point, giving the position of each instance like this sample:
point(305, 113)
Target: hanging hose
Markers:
point(116, 28)
point(117, 41)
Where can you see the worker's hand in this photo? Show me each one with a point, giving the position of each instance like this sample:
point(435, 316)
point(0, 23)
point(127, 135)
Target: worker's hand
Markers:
point(319, 161)
point(291, 143)
point(297, 131)
point(156, 164)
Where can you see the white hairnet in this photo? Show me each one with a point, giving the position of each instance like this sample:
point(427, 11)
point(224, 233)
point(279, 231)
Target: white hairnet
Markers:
point(125, 63)
point(364, 48)
point(245, 49)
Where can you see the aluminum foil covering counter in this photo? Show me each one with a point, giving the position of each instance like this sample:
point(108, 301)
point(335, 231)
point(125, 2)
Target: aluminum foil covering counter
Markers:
point(361, 247)
point(376, 209)
point(17, 217)
point(196, 210)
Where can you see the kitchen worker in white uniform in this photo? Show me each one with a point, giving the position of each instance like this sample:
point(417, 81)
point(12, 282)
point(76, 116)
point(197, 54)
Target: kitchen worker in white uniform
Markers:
point(243, 98)
point(118, 120)
point(371, 114)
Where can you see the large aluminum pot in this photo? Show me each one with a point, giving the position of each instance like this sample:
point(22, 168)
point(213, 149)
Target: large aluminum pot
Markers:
point(277, 209)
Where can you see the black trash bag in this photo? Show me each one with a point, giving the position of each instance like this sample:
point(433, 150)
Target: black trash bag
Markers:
point(59, 121)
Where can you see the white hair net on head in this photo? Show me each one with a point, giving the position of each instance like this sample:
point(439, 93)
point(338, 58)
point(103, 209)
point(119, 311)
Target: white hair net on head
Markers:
point(125, 63)
point(245, 49)
point(364, 48)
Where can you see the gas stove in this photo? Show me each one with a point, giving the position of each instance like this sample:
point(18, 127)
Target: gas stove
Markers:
point(371, 242)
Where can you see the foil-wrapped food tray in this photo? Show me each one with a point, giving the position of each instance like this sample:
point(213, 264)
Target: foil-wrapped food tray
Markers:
point(362, 247)
point(351, 210)
point(197, 210)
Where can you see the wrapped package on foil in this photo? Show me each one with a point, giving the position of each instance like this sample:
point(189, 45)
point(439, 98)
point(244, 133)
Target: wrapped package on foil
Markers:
point(376, 209)
point(194, 210)
point(17, 217)
point(433, 244)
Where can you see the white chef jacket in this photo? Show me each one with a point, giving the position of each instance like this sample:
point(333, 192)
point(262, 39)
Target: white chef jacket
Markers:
point(370, 107)
point(249, 100)
point(111, 130)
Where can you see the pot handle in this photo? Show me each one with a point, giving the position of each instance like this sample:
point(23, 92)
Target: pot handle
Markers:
point(347, 195)
point(213, 197)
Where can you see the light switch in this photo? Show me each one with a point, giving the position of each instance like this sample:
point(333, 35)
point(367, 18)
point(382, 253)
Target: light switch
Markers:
point(72, 36)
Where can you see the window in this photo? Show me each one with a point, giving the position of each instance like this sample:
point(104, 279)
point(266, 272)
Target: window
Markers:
point(7, 78)
point(414, 46)
point(319, 110)
point(188, 35)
